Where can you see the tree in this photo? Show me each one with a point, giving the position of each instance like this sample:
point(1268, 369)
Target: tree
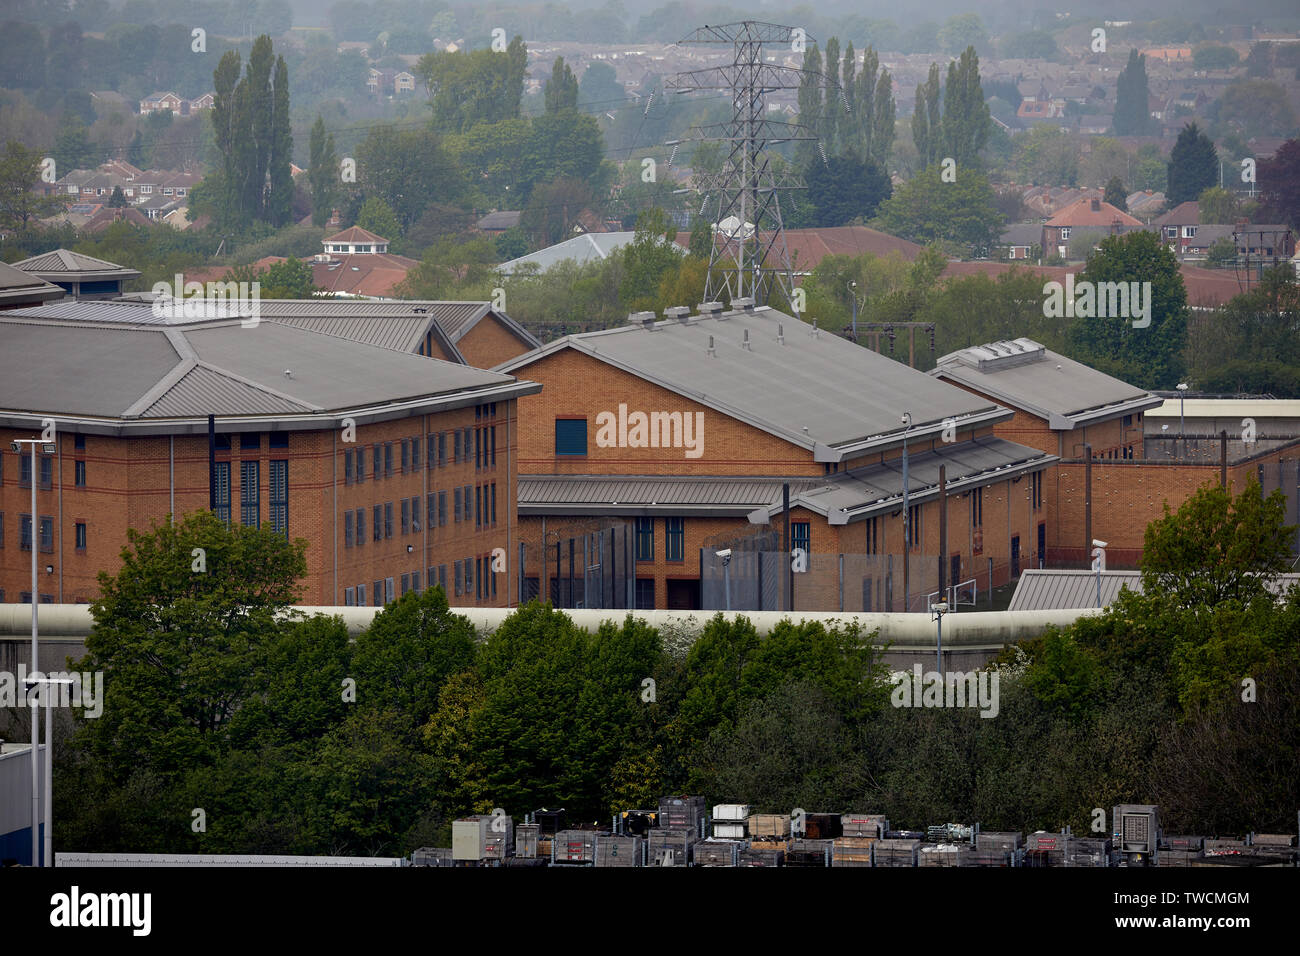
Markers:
point(409, 169)
point(882, 121)
point(925, 209)
point(1279, 185)
point(1214, 56)
point(20, 171)
point(280, 198)
point(1132, 116)
point(562, 88)
point(72, 146)
point(1047, 155)
point(1029, 45)
point(1193, 166)
point(926, 129)
point(117, 200)
point(600, 87)
point(809, 100)
point(648, 259)
point(322, 173)
point(844, 189)
point(963, 31)
point(1115, 194)
point(1259, 61)
point(471, 87)
point(1217, 206)
point(965, 114)
point(1149, 356)
point(377, 217)
point(1256, 108)
point(1222, 251)
point(290, 279)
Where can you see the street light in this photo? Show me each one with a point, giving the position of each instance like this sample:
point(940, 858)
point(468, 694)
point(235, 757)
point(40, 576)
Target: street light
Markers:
point(907, 518)
point(937, 611)
point(1098, 563)
point(49, 448)
point(725, 555)
point(1182, 431)
point(854, 296)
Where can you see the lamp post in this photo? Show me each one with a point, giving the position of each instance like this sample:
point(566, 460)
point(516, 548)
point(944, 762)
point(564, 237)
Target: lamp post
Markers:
point(725, 555)
point(1098, 563)
point(852, 286)
point(49, 448)
point(1182, 430)
point(907, 520)
point(937, 611)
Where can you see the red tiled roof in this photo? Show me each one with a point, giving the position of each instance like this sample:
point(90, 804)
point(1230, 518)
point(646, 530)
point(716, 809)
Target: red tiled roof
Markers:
point(808, 247)
point(355, 234)
point(362, 274)
point(1081, 213)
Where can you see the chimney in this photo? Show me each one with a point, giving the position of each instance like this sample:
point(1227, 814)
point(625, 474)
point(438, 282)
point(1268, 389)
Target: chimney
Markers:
point(780, 333)
point(746, 303)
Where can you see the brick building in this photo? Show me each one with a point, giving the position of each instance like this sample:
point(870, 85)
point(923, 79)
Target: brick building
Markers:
point(1076, 412)
point(423, 493)
point(686, 430)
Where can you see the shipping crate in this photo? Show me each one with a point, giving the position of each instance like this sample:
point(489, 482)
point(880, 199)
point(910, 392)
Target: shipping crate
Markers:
point(940, 854)
point(863, 824)
point(895, 852)
point(574, 846)
point(482, 837)
point(1087, 851)
point(1183, 843)
point(729, 831)
point(551, 822)
point(1044, 849)
point(544, 847)
point(526, 839)
point(998, 840)
point(989, 858)
point(1273, 839)
point(852, 851)
point(732, 812)
point(669, 847)
point(432, 856)
point(803, 852)
point(1172, 857)
point(682, 813)
point(618, 850)
point(526, 861)
point(761, 855)
point(715, 853)
point(822, 826)
point(764, 826)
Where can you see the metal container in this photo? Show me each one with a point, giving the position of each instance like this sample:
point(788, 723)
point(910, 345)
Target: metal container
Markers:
point(432, 856)
point(1135, 831)
point(550, 821)
point(759, 855)
point(481, 837)
point(669, 847)
point(1087, 851)
point(733, 812)
point(895, 852)
point(940, 854)
point(574, 846)
point(764, 826)
point(729, 831)
point(998, 840)
point(809, 853)
point(682, 813)
point(618, 850)
point(822, 826)
point(863, 824)
point(715, 853)
point(526, 837)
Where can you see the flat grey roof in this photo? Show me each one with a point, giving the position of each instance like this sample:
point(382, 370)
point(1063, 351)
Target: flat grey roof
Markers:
point(1026, 375)
point(149, 375)
point(651, 494)
point(811, 388)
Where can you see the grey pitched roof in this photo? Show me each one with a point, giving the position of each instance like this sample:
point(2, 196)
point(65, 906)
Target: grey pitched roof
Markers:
point(161, 379)
point(588, 247)
point(863, 492)
point(651, 494)
point(1023, 234)
point(18, 286)
point(64, 264)
point(1049, 589)
point(1026, 375)
point(813, 389)
point(505, 219)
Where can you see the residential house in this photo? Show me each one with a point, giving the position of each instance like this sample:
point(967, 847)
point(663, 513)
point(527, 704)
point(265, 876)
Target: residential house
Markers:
point(403, 82)
point(157, 102)
point(1094, 215)
point(1019, 240)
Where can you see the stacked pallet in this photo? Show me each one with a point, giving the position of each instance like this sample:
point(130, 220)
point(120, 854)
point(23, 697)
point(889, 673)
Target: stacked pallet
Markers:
point(669, 847)
point(618, 850)
point(863, 825)
point(941, 854)
point(1180, 851)
point(896, 852)
point(1087, 851)
point(432, 856)
point(730, 821)
point(852, 850)
point(762, 854)
point(1274, 847)
point(716, 853)
point(804, 852)
point(822, 826)
point(682, 813)
point(574, 846)
point(1045, 849)
point(996, 848)
point(769, 828)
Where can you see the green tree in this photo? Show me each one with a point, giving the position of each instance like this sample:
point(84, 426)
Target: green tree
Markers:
point(279, 200)
point(1115, 194)
point(409, 169)
point(1193, 166)
point(562, 88)
point(844, 189)
point(926, 209)
point(470, 87)
point(117, 200)
point(377, 217)
point(882, 121)
point(963, 31)
point(1255, 107)
point(20, 171)
point(600, 87)
point(1217, 206)
point(73, 148)
point(1132, 116)
point(648, 259)
point(1222, 252)
point(322, 173)
point(1279, 185)
point(966, 122)
point(809, 100)
point(1259, 61)
point(1029, 45)
point(1214, 56)
point(926, 123)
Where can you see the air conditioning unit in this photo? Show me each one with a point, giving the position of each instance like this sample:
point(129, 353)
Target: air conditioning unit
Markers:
point(1135, 832)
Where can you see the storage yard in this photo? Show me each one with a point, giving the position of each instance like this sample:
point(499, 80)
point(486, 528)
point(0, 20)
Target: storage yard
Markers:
point(685, 831)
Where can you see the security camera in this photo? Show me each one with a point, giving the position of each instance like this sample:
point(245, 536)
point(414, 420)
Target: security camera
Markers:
point(1098, 544)
point(16, 446)
point(906, 418)
point(724, 554)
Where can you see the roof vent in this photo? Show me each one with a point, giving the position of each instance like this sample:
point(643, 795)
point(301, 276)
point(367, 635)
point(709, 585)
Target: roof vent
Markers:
point(645, 319)
point(780, 333)
point(713, 309)
point(712, 351)
point(744, 344)
point(746, 303)
point(1096, 205)
point(679, 312)
point(815, 333)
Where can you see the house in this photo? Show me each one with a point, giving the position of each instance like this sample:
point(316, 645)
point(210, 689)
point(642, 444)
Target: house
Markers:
point(204, 102)
point(682, 433)
point(357, 262)
point(403, 82)
point(1020, 239)
point(1178, 226)
point(380, 82)
point(1037, 111)
point(582, 249)
point(156, 102)
point(1094, 215)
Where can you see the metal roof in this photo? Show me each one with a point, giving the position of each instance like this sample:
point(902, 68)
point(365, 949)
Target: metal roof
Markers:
point(864, 492)
point(1026, 375)
point(601, 494)
point(810, 388)
point(1048, 589)
point(115, 376)
point(1228, 408)
point(19, 286)
point(65, 264)
point(588, 247)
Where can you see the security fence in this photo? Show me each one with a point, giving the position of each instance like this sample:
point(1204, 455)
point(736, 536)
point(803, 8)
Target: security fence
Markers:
point(583, 564)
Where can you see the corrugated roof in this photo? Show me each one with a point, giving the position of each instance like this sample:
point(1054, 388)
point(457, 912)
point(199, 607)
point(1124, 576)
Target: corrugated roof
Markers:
point(402, 333)
point(592, 494)
point(1028, 376)
point(203, 388)
point(816, 390)
point(1048, 589)
point(19, 286)
point(588, 247)
point(67, 264)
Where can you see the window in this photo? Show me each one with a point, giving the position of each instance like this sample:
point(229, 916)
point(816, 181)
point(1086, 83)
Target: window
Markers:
point(478, 449)
point(361, 465)
point(478, 506)
point(873, 540)
point(81, 536)
point(415, 581)
point(469, 576)
point(388, 459)
point(1036, 489)
point(442, 577)
point(390, 592)
point(25, 471)
point(645, 539)
point(361, 595)
point(347, 529)
point(250, 440)
point(570, 436)
point(455, 456)
point(977, 508)
point(376, 460)
point(47, 471)
point(674, 539)
point(442, 509)
point(415, 513)
point(442, 448)
point(494, 504)
point(415, 453)
point(432, 449)
point(280, 497)
point(25, 532)
point(2, 529)
point(466, 500)
point(361, 528)
point(459, 578)
point(278, 440)
point(79, 469)
point(388, 519)
point(432, 579)
point(406, 516)
point(222, 480)
point(377, 588)
point(406, 584)
point(801, 536)
point(1065, 233)
point(250, 494)
point(467, 439)
point(347, 467)
point(914, 526)
point(456, 506)
point(492, 444)
point(378, 533)
point(431, 509)
point(47, 533)
point(1189, 232)
point(645, 594)
point(406, 455)
point(478, 579)
point(79, 442)
point(349, 597)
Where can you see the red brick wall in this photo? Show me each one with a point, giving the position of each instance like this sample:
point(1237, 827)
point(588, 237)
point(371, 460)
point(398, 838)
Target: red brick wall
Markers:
point(489, 343)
